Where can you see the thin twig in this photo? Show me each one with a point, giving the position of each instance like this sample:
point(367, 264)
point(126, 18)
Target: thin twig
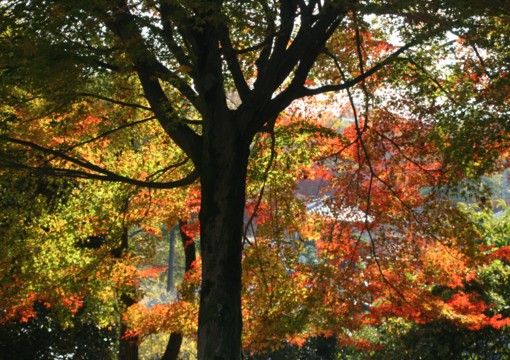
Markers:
point(264, 181)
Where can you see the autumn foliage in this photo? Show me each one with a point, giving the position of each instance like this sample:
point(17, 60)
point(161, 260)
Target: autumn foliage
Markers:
point(351, 214)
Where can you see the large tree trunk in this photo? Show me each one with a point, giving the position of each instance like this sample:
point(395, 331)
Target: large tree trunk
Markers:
point(223, 179)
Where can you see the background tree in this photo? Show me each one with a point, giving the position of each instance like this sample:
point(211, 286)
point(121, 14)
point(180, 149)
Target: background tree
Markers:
point(442, 339)
point(68, 246)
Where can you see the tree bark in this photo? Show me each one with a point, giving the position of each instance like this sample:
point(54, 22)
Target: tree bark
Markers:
point(128, 348)
point(173, 347)
point(171, 261)
point(175, 341)
point(223, 180)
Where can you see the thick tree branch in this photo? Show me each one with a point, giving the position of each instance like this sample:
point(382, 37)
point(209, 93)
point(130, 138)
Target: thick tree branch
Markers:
point(123, 25)
point(105, 65)
point(302, 53)
point(180, 133)
point(233, 63)
point(271, 59)
point(287, 21)
point(310, 57)
point(305, 13)
point(166, 10)
point(266, 44)
point(306, 46)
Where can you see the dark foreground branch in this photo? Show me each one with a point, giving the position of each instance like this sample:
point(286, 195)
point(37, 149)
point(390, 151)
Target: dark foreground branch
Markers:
point(97, 172)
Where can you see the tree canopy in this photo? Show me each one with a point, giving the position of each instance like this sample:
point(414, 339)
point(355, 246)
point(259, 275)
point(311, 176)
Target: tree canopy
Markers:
point(318, 142)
